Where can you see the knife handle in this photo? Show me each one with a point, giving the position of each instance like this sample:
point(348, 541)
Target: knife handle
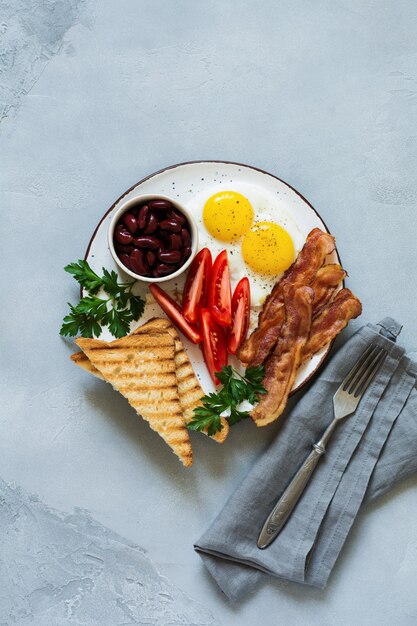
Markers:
point(285, 505)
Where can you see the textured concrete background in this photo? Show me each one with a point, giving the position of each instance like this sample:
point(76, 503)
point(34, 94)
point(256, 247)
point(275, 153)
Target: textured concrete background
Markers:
point(94, 96)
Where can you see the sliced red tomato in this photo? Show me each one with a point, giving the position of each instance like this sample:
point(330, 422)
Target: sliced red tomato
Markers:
point(240, 315)
point(214, 344)
point(173, 311)
point(196, 286)
point(220, 294)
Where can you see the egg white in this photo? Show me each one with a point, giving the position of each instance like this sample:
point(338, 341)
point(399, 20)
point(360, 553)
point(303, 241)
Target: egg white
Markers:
point(267, 208)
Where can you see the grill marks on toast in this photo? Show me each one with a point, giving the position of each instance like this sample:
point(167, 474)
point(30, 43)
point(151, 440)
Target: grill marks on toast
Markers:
point(82, 360)
point(190, 391)
point(189, 388)
point(149, 383)
point(137, 379)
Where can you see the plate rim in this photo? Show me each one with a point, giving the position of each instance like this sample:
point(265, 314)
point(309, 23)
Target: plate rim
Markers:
point(251, 167)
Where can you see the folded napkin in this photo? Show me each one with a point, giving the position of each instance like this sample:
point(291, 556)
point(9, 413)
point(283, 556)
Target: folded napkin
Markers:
point(368, 454)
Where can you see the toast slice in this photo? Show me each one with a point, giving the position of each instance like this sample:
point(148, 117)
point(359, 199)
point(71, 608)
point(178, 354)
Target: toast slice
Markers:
point(82, 360)
point(190, 391)
point(189, 388)
point(141, 367)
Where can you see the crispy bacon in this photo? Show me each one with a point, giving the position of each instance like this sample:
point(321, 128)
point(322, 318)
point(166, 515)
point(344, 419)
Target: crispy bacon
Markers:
point(324, 284)
point(282, 365)
point(303, 271)
point(333, 318)
point(265, 339)
point(311, 257)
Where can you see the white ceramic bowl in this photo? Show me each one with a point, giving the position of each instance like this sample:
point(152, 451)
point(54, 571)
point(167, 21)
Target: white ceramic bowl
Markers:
point(140, 200)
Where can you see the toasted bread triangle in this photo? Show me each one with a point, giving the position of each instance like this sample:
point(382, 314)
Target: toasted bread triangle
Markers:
point(189, 388)
point(82, 360)
point(190, 391)
point(141, 367)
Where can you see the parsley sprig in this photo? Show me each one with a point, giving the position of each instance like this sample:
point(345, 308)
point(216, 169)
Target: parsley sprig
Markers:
point(236, 389)
point(116, 311)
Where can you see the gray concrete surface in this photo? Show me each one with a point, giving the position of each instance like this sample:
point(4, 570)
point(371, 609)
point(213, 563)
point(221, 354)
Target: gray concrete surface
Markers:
point(94, 96)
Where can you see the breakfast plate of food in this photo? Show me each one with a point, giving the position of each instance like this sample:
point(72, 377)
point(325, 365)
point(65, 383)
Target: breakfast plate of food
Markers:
point(210, 292)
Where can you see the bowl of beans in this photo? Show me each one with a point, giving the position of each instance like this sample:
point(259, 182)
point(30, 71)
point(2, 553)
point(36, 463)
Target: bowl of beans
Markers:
point(153, 238)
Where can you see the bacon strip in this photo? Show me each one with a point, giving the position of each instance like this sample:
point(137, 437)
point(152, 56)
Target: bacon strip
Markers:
point(261, 343)
point(281, 367)
point(333, 318)
point(324, 284)
point(310, 259)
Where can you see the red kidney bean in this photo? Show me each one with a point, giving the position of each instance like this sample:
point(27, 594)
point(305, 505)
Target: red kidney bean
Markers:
point(150, 258)
point(143, 216)
point(160, 205)
point(162, 270)
point(170, 225)
point(164, 237)
point(186, 252)
point(129, 220)
point(186, 237)
point(175, 241)
point(152, 243)
point(137, 262)
point(121, 235)
point(125, 259)
point(152, 225)
point(169, 256)
point(177, 217)
point(122, 249)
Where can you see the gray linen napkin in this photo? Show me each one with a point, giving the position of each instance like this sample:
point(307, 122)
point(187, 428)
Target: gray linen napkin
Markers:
point(369, 453)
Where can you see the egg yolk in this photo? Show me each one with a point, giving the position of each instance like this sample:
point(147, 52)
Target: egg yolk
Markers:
point(227, 215)
point(267, 248)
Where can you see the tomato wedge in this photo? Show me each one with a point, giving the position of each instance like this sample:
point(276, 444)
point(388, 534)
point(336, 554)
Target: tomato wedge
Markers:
point(196, 286)
point(240, 315)
point(214, 344)
point(220, 294)
point(173, 311)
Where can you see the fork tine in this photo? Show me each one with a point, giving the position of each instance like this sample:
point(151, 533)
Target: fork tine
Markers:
point(359, 367)
point(367, 377)
point(365, 367)
point(363, 370)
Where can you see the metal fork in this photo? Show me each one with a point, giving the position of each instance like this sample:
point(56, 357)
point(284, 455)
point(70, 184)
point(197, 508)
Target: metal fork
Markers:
point(345, 402)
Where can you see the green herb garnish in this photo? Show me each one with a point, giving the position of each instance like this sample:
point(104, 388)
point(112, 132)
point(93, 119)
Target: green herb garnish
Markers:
point(236, 388)
point(89, 316)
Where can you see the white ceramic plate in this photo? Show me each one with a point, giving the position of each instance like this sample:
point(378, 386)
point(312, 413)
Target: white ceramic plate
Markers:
point(187, 182)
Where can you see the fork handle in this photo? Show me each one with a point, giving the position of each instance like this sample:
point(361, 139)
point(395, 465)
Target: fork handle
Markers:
point(285, 505)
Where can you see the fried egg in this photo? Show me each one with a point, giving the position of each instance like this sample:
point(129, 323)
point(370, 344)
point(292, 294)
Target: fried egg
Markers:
point(258, 232)
point(268, 248)
point(228, 215)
